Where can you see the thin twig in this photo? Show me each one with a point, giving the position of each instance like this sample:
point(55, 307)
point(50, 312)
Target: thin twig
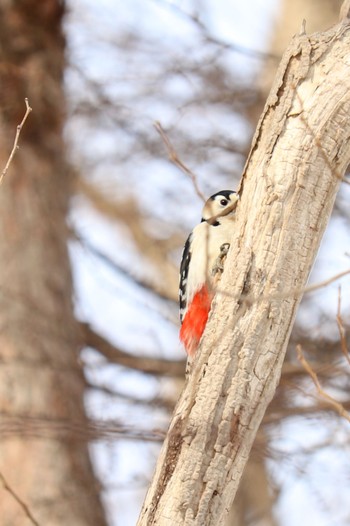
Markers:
point(237, 48)
point(343, 344)
point(332, 402)
point(146, 364)
point(250, 299)
point(24, 507)
point(15, 144)
point(326, 282)
point(174, 158)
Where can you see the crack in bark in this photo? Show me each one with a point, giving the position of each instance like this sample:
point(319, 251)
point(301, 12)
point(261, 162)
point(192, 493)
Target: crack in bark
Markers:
point(175, 440)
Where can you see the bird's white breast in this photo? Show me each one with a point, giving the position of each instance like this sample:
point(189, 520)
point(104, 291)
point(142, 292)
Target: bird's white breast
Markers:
point(206, 242)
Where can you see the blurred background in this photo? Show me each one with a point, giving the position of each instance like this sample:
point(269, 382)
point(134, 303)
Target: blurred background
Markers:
point(93, 219)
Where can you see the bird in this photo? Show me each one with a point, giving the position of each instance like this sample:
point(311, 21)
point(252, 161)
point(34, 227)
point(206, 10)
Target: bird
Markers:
point(202, 264)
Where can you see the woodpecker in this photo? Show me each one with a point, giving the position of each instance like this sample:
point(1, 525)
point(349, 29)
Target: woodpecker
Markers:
point(202, 261)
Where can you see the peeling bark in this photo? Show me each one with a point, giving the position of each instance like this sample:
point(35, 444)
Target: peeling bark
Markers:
point(299, 154)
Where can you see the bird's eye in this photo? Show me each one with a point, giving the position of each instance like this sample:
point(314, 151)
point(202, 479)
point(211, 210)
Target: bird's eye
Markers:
point(223, 202)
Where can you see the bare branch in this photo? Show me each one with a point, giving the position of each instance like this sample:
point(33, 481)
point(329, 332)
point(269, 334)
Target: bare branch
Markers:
point(342, 334)
point(237, 48)
point(145, 284)
point(15, 144)
point(326, 282)
point(156, 366)
point(22, 504)
point(155, 251)
point(73, 429)
point(275, 417)
point(331, 401)
point(249, 299)
point(161, 402)
point(174, 158)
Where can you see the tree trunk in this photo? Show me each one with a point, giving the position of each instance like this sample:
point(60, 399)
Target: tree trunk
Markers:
point(318, 14)
point(298, 158)
point(44, 469)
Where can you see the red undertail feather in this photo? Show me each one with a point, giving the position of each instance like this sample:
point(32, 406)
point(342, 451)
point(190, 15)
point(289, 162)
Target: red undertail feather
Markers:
point(195, 320)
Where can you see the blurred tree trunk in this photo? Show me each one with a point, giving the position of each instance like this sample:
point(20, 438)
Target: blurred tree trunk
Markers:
point(254, 501)
point(319, 15)
point(41, 382)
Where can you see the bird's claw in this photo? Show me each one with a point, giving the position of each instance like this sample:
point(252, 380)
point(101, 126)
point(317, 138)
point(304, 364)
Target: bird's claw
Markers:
point(219, 263)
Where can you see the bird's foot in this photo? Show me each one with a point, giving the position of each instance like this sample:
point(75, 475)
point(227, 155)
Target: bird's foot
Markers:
point(219, 263)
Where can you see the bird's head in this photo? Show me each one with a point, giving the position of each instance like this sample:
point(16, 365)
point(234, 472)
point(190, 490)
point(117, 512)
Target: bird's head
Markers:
point(219, 205)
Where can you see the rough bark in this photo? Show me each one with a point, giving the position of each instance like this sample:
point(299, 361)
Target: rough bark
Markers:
point(40, 378)
point(318, 15)
point(298, 157)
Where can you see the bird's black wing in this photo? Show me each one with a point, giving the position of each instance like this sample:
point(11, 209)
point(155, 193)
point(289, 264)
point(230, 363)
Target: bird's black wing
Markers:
point(185, 263)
